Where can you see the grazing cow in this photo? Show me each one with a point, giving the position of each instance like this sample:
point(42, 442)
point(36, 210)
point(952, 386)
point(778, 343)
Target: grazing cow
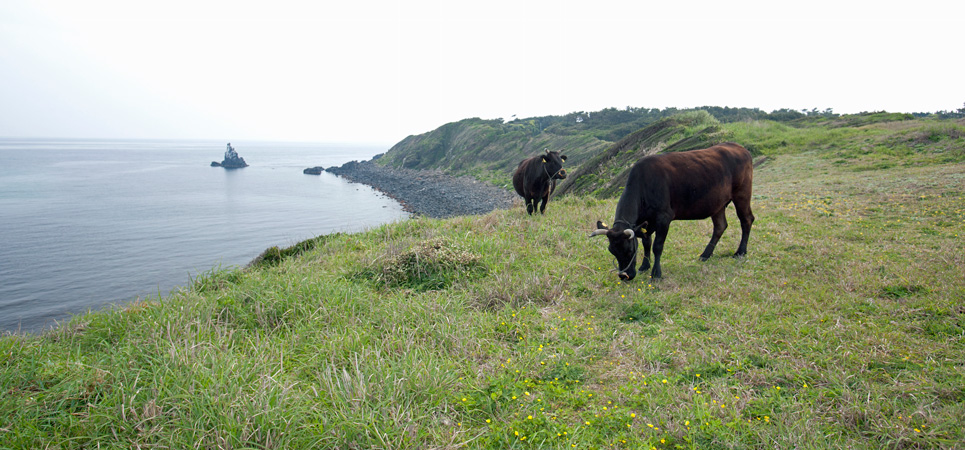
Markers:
point(535, 178)
point(689, 185)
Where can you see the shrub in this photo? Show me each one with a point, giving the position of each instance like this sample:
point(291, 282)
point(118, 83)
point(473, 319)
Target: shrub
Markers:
point(429, 265)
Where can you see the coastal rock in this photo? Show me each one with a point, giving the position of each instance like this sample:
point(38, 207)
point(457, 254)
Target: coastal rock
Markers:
point(317, 170)
point(428, 193)
point(231, 160)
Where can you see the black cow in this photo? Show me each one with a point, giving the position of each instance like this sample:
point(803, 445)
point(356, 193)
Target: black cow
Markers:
point(690, 185)
point(535, 178)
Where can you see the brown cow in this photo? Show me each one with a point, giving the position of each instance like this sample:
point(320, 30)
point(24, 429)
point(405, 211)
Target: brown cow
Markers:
point(535, 179)
point(689, 185)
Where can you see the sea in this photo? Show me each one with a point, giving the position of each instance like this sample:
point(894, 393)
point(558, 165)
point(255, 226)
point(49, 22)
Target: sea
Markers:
point(93, 224)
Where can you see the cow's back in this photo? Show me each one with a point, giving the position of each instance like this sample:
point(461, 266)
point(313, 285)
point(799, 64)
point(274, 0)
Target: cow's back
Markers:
point(528, 180)
point(693, 183)
point(522, 179)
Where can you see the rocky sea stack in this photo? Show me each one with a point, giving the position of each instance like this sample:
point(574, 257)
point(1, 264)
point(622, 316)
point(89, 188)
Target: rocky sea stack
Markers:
point(231, 160)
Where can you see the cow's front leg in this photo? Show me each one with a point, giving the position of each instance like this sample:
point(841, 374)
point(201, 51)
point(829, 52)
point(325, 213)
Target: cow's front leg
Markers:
point(645, 238)
point(542, 206)
point(530, 205)
point(658, 241)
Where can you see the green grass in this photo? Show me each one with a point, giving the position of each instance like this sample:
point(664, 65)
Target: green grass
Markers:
point(842, 328)
point(905, 142)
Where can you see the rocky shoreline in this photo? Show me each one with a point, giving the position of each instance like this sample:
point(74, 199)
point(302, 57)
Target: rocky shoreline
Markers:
point(428, 193)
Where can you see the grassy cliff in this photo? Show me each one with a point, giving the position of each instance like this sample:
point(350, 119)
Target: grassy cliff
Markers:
point(843, 327)
point(605, 174)
point(491, 149)
point(602, 145)
point(488, 149)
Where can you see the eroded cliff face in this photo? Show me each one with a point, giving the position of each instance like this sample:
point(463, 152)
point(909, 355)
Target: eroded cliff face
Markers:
point(474, 146)
point(599, 148)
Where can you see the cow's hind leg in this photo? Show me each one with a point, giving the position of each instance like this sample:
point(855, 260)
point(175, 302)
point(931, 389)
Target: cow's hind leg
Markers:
point(746, 218)
point(720, 224)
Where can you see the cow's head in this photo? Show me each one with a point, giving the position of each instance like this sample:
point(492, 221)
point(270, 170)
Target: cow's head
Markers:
point(553, 165)
point(623, 245)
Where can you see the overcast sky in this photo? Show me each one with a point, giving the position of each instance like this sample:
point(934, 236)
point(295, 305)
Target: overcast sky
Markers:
point(376, 71)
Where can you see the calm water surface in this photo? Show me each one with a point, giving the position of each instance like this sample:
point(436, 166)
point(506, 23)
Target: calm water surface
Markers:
point(87, 223)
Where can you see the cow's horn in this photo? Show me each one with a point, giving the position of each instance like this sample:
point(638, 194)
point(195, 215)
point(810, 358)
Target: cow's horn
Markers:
point(598, 232)
point(629, 233)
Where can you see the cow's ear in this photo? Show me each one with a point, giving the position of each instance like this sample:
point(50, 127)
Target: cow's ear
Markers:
point(601, 226)
point(563, 157)
point(641, 230)
point(543, 158)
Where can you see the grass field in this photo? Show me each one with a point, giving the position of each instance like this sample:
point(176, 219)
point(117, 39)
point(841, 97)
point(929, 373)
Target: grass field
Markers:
point(842, 328)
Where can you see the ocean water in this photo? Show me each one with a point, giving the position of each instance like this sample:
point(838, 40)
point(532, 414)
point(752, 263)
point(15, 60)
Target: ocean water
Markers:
point(85, 224)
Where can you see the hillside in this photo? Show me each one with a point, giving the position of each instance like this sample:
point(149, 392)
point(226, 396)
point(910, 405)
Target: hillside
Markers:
point(843, 327)
point(605, 174)
point(874, 140)
point(487, 149)
point(602, 145)
point(490, 149)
